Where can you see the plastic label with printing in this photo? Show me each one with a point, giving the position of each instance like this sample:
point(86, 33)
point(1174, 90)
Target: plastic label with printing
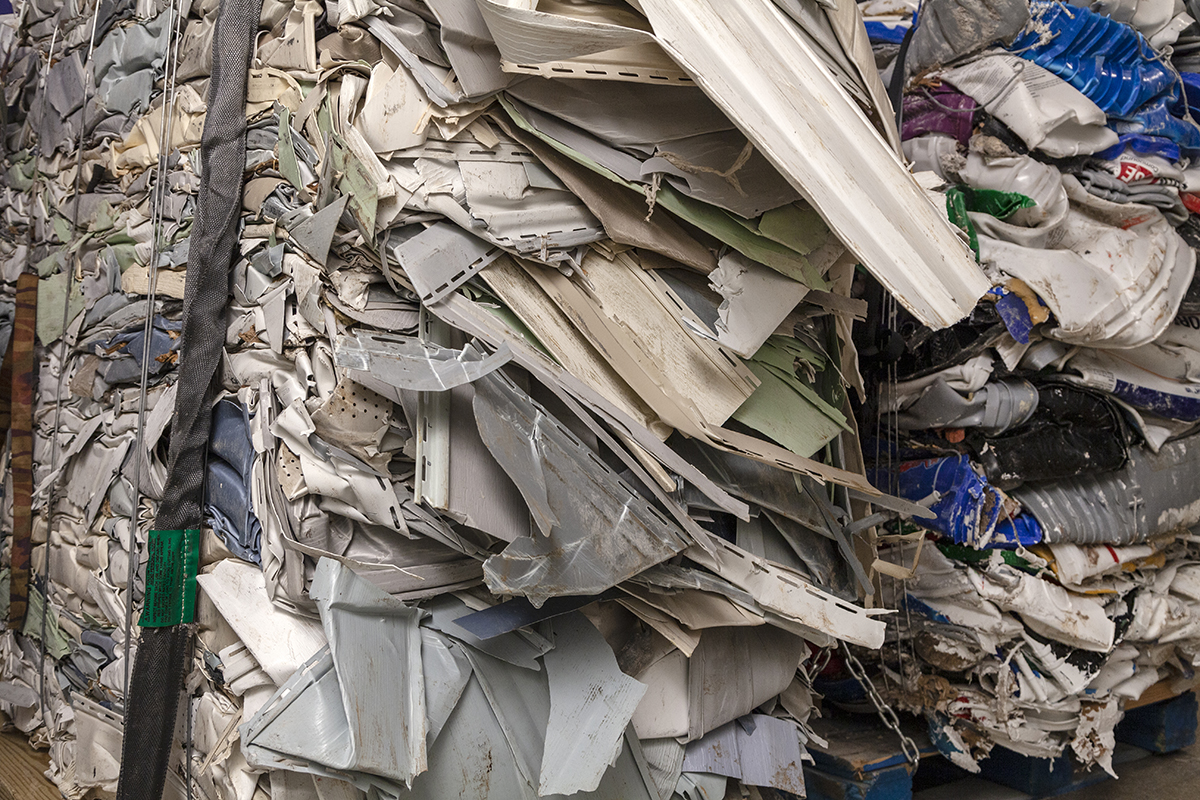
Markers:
point(171, 578)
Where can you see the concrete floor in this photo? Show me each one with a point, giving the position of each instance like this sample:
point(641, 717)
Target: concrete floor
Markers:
point(1171, 777)
point(1175, 776)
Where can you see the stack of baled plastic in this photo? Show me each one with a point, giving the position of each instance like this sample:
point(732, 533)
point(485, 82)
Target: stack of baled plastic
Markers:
point(1053, 432)
point(533, 468)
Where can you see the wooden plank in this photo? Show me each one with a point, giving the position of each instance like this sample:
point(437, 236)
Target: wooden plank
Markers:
point(1163, 690)
point(22, 771)
point(859, 744)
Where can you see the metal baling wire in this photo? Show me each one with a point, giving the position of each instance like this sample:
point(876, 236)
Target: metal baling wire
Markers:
point(166, 131)
point(883, 461)
point(894, 489)
point(28, 258)
point(41, 87)
point(880, 404)
point(912, 641)
point(6, 65)
point(25, 129)
point(24, 132)
point(903, 582)
point(62, 359)
point(157, 202)
point(898, 584)
point(190, 752)
point(893, 462)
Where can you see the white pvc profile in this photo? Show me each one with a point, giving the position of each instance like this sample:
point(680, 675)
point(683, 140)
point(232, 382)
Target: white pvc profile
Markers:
point(755, 65)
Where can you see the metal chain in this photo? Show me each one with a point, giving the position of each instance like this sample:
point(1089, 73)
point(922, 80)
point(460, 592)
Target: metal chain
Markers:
point(886, 713)
point(820, 662)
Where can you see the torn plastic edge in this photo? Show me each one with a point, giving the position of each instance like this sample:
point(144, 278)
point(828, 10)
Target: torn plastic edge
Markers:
point(583, 551)
point(460, 312)
point(673, 508)
point(463, 314)
point(409, 363)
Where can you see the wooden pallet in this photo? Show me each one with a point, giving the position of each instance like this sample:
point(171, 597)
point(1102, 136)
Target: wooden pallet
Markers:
point(864, 762)
point(22, 771)
point(1163, 690)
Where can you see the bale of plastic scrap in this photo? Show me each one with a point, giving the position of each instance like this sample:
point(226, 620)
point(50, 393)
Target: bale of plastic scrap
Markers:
point(520, 456)
point(1052, 432)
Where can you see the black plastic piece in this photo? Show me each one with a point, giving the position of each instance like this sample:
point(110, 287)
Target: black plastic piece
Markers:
point(1074, 431)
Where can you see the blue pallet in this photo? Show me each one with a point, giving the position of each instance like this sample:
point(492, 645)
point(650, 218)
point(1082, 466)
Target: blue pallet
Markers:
point(892, 783)
point(864, 761)
point(1039, 777)
point(1162, 727)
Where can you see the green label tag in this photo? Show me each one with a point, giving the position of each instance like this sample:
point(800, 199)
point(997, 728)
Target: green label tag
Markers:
point(171, 578)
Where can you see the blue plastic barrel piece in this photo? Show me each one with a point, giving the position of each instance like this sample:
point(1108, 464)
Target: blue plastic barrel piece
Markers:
point(1108, 61)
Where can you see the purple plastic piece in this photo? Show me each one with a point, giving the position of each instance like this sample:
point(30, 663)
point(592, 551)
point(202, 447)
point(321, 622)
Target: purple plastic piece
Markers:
point(941, 110)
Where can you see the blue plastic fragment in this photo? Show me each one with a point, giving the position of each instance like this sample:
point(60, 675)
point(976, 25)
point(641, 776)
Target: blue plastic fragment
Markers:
point(969, 507)
point(231, 437)
point(1191, 90)
point(1184, 407)
point(879, 32)
point(162, 342)
point(518, 613)
point(939, 738)
point(924, 609)
point(1145, 145)
point(1113, 66)
point(227, 498)
point(1154, 119)
point(1014, 313)
point(227, 485)
point(1022, 529)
